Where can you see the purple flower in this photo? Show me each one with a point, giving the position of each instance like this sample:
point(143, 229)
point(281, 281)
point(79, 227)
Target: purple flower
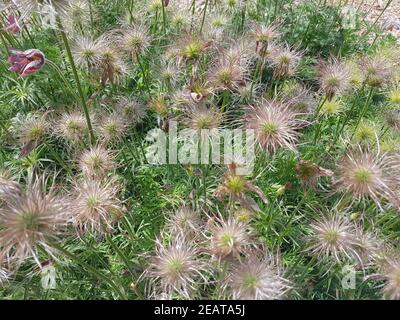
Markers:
point(26, 62)
point(12, 24)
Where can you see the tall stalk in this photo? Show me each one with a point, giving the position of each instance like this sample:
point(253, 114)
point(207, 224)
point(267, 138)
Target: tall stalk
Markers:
point(78, 82)
point(164, 17)
point(204, 16)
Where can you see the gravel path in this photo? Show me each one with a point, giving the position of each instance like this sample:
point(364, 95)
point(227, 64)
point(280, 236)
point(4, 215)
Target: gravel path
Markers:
point(390, 19)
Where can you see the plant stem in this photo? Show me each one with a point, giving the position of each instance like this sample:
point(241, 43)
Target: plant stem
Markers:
point(78, 82)
point(204, 16)
point(164, 17)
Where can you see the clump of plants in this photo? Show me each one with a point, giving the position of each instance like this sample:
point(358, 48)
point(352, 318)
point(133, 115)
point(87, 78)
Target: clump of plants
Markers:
point(86, 212)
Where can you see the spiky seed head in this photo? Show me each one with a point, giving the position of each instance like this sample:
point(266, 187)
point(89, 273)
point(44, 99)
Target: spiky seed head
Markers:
point(30, 217)
point(332, 107)
point(365, 174)
point(95, 205)
point(257, 277)
point(169, 72)
point(275, 125)
point(391, 273)
point(334, 237)
point(229, 238)
point(189, 48)
point(97, 162)
point(175, 269)
point(299, 98)
point(264, 36)
point(86, 52)
point(203, 118)
point(333, 77)
point(28, 7)
point(131, 110)
point(228, 73)
point(284, 61)
point(394, 97)
point(112, 127)
point(366, 133)
point(134, 40)
point(185, 221)
point(377, 72)
point(370, 248)
point(243, 215)
point(78, 16)
point(31, 128)
point(8, 185)
point(72, 127)
point(356, 76)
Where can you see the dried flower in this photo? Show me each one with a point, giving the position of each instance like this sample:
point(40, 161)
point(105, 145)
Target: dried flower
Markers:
point(275, 125)
point(334, 236)
point(30, 217)
point(333, 78)
point(309, 173)
point(229, 238)
point(258, 277)
point(175, 269)
point(363, 174)
point(97, 162)
point(72, 127)
point(95, 205)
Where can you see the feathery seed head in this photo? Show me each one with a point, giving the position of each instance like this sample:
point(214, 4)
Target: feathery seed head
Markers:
point(258, 277)
point(72, 127)
point(363, 174)
point(175, 269)
point(284, 61)
point(275, 125)
point(131, 110)
point(335, 237)
point(95, 205)
point(333, 78)
point(97, 162)
point(112, 127)
point(229, 238)
point(28, 218)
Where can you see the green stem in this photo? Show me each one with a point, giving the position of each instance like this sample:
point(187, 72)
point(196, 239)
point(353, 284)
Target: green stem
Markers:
point(204, 16)
point(78, 82)
point(164, 16)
